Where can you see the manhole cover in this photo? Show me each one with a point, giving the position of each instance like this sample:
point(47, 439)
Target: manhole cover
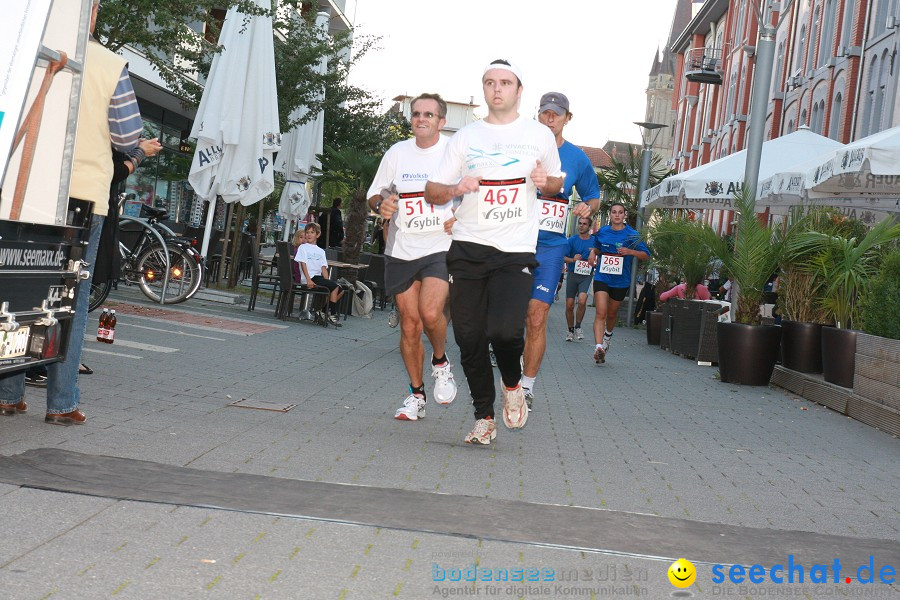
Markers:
point(262, 405)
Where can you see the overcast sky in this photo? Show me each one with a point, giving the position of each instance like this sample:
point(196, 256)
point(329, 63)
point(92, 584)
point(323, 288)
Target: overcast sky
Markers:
point(597, 52)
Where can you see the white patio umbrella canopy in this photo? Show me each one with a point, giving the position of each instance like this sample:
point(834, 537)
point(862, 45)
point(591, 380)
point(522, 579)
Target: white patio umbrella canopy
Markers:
point(713, 185)
point(870, 165)
point(785, 190)
point(237, 122)
point(297, 158)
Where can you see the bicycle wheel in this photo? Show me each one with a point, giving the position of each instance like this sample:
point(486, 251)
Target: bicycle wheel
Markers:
point(184, 274)
point(99, 292)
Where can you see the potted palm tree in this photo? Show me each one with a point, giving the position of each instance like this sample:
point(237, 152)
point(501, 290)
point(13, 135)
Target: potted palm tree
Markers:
point(747, 348)
point(845, 266)
point(353, 171)
point(662, 260)
point(691, 263)
point(800, 295)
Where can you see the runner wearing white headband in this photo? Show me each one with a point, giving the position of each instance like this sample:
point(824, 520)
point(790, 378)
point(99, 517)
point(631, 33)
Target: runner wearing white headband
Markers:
point(497, 165)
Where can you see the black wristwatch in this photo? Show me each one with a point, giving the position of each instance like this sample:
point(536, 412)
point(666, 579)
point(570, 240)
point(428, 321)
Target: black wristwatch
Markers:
point(377, 208)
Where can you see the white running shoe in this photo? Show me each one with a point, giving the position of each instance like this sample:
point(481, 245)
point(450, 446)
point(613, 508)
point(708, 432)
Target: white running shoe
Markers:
point(413, 409)
point(529, 398)
point(393, 319)
point(570, 336)
point(484, 431)
point(444, 385)
point(579, 335)
point(600, 355)
point(605, 344)
point(493, 356)
point(515, 411)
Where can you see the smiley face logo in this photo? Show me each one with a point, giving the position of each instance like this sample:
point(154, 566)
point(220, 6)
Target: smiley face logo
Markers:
point(682, 573)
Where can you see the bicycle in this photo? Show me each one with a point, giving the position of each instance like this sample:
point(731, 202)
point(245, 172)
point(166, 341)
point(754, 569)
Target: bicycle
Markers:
point(144, 252)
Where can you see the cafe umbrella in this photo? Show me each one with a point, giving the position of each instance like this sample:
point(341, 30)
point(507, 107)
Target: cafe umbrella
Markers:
point(236, 125)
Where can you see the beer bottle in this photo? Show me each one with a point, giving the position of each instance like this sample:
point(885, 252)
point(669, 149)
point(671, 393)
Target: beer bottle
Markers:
point(101, 328)
point(111, 328)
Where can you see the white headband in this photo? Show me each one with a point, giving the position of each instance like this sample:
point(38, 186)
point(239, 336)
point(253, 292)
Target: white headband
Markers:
point(510, 67)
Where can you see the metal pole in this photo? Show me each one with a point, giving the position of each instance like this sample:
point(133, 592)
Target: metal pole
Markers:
point(646, 155)
point(762, 78)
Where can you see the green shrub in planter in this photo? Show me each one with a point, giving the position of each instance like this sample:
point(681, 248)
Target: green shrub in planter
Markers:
point(880, 309)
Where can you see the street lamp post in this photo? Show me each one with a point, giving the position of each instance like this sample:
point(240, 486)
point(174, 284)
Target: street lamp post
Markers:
point(649, 133)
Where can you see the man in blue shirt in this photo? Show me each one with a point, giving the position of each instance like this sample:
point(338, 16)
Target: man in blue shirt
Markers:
point(578, 278)
point(552, 243)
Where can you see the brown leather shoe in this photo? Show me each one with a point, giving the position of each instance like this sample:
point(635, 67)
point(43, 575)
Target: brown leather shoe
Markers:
point(12, 409)
point(76, 417)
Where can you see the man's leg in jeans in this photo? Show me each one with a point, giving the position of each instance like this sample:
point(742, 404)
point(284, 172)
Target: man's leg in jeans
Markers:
point(509, 293)
point(468, 306)
point(63, 394)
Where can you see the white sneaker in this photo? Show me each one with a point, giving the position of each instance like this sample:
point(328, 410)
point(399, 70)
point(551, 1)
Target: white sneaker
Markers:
point(393, 319)
point(570, 336)
point(579, 335)
point(413, 409)
point(484, 431)
point(529, 398)
point(515, 411)
point(599, 355)
point(493, 356)
point(444, 385)
point(605, 344)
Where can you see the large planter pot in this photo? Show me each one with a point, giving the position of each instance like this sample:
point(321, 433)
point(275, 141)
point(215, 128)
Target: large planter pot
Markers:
point(747, 353)
point(654, 327)
point(801, 346)
point(839, 355)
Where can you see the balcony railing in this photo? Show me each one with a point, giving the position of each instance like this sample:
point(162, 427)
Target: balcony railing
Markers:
point(704, 65)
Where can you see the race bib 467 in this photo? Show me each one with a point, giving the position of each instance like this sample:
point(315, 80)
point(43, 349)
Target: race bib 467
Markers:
point(502, 201)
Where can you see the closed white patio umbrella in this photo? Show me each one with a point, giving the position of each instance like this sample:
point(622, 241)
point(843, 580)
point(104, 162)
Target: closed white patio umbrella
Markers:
point(298, 157)
point(237, 122)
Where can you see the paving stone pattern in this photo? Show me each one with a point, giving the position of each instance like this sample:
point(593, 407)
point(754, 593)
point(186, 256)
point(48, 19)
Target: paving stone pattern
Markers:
point(646, 432)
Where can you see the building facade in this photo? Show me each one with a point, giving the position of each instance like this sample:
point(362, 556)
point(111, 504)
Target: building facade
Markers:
point(833, 72)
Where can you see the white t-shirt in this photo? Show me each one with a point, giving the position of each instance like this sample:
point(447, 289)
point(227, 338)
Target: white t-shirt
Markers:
point(314, 257)
point(417, 228)
point(504, 212)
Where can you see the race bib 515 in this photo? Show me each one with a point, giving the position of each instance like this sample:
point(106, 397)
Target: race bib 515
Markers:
point(554, 213)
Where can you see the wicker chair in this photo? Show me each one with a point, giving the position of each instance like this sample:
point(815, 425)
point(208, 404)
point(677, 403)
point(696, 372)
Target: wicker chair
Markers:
point(708, 346)
point(686, 328)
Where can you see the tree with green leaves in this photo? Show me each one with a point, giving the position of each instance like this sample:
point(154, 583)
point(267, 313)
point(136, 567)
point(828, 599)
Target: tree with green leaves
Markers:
point(352, 171)
point(619, 182)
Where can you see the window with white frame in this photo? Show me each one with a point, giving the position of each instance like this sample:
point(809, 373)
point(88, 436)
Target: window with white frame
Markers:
point(871, 87)
point(847, 22)
point(813, 39)
point(827, 38)
point(801, 49)
point(834, 130)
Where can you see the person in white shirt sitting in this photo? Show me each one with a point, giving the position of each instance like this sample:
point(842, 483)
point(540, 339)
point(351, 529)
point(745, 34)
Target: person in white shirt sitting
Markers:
point(312, 259)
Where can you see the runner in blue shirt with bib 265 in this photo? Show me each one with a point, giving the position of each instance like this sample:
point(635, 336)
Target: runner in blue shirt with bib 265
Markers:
point(614, 244)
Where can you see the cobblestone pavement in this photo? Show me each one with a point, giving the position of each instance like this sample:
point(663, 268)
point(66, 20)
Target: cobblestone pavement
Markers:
point(647, 432)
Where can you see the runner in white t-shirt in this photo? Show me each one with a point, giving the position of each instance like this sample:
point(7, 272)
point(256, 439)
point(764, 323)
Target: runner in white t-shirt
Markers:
point(498, 164)
point(415, 270)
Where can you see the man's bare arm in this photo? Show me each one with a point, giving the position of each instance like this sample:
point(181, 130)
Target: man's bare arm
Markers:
point(442, 193)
